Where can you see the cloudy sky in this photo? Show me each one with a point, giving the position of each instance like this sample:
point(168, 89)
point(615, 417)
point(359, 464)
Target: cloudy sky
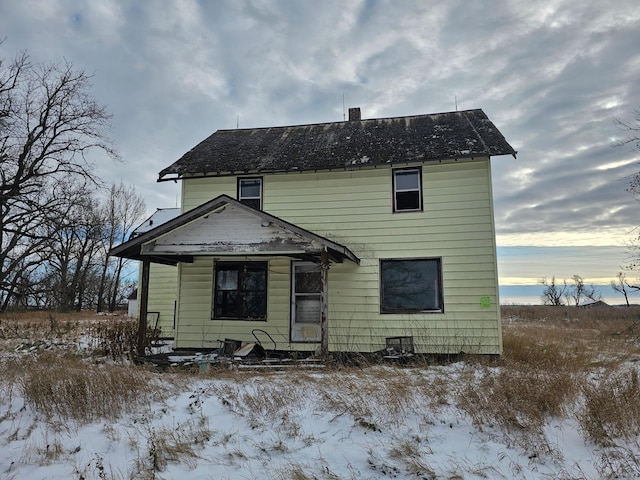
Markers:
point(552, 75)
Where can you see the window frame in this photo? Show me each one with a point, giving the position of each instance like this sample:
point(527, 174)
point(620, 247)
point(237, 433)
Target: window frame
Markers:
point(395, 191)
point(241, 198)
point(439, 294)
point(224, 265)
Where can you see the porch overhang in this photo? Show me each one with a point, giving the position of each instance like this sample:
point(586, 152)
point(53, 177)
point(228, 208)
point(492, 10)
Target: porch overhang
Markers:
point(226, 227)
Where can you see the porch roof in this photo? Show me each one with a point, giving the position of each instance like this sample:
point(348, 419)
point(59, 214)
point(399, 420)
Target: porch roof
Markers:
point(224, 226)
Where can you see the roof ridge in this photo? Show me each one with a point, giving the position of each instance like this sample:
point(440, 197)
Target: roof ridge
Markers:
point(400, 117)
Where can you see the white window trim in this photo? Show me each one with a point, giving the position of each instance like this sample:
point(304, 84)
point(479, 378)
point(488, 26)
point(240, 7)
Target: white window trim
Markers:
point(396, 190)
point(260, 195)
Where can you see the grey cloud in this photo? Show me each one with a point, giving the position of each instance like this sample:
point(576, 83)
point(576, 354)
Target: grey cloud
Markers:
point(552, 75)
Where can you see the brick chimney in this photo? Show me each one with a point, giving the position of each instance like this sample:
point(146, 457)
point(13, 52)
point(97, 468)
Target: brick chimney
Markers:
point(354, 114)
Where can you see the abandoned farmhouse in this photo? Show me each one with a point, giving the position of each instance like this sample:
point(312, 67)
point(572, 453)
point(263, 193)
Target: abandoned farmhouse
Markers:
point(331, 237)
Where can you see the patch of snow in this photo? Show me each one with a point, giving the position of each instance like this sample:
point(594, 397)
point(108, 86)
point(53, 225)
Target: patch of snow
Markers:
point(230, 439)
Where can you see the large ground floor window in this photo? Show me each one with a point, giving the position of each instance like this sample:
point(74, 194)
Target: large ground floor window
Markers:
point(240, 290)
point(411, 285)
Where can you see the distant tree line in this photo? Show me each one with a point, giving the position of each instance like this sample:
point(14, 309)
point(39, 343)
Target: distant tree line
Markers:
point(57, 218)
point(558, 294)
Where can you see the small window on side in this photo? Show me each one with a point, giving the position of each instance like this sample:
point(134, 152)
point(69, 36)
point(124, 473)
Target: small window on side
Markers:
point(411, 286)
point(407, 190)
point(250, 192)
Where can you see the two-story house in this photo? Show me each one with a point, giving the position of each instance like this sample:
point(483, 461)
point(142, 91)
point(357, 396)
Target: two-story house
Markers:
point(335, 236)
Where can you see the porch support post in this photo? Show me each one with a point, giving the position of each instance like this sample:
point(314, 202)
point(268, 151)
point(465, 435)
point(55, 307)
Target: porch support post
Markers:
point(324, 303)
point(144, 305)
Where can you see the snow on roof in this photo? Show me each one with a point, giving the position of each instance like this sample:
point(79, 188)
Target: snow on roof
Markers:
point(162, 215)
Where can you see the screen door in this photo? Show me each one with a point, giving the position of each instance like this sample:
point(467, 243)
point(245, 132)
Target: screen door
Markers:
point(305, 302)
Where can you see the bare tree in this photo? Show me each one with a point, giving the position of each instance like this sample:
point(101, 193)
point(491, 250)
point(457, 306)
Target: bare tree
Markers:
point(553, 293)
point(579, 291)
point(123, 210)
point(48, 123)
point(72, 254)
point(621, 285)
point(558, 295)
point(73, 270)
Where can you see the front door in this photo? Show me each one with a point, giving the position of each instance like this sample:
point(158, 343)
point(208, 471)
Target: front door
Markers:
point(305, 302)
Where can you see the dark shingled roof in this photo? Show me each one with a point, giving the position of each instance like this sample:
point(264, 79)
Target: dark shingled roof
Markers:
point(343, 145)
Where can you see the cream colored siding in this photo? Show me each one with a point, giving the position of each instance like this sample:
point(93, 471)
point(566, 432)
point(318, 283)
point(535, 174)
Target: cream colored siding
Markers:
point(198, 330)
point(163, 280)
point(355, 208)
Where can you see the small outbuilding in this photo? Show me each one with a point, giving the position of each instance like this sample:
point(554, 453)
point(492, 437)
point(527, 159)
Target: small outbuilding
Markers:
point(132, 304)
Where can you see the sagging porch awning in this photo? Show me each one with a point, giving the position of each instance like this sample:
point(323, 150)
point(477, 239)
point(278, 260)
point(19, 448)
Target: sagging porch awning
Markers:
point(224, 226)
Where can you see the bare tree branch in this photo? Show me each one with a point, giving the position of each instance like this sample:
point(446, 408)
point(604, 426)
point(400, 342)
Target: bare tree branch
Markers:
point(48, 124)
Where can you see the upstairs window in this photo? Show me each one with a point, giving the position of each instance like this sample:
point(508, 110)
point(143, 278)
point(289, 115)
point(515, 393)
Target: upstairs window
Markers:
point(411, 286)
point(240, 290)
point(407, 190)
point(250, 192)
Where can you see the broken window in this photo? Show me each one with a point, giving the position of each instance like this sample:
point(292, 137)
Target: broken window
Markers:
point(411, 285)
point(240, 290)
point(407, 190)
point(250, 192)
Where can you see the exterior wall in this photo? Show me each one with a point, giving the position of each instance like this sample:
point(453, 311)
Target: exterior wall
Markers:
point(163, 283)
point(354, 208)
point(197, 330)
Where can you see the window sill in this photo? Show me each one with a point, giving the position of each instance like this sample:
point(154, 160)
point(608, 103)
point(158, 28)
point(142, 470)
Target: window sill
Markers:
point(234, 319)
point(412, 312)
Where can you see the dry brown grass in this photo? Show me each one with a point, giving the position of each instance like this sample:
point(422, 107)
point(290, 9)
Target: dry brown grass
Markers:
point(37, 324)
point(582, 337)
point(612, 408)
point(550, 355)
point(68, 387)
point(116, 338)
point(557, 363)
point(372, 397)
point(519, 399)
point(181, 443)
point(113, 336)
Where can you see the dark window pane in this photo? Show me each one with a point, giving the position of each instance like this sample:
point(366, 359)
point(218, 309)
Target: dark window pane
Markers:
point(251, 202)
point(226, 304)
point(308, 279)
point(254, 280)
point(250, 188)
point(408, 200)
point(255, 305)
point(409, 180)
point(410, 285)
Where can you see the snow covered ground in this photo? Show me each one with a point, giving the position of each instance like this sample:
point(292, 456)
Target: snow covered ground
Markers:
point(374, 422)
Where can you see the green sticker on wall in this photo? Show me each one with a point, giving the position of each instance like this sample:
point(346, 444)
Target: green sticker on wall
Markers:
point(485, 302)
